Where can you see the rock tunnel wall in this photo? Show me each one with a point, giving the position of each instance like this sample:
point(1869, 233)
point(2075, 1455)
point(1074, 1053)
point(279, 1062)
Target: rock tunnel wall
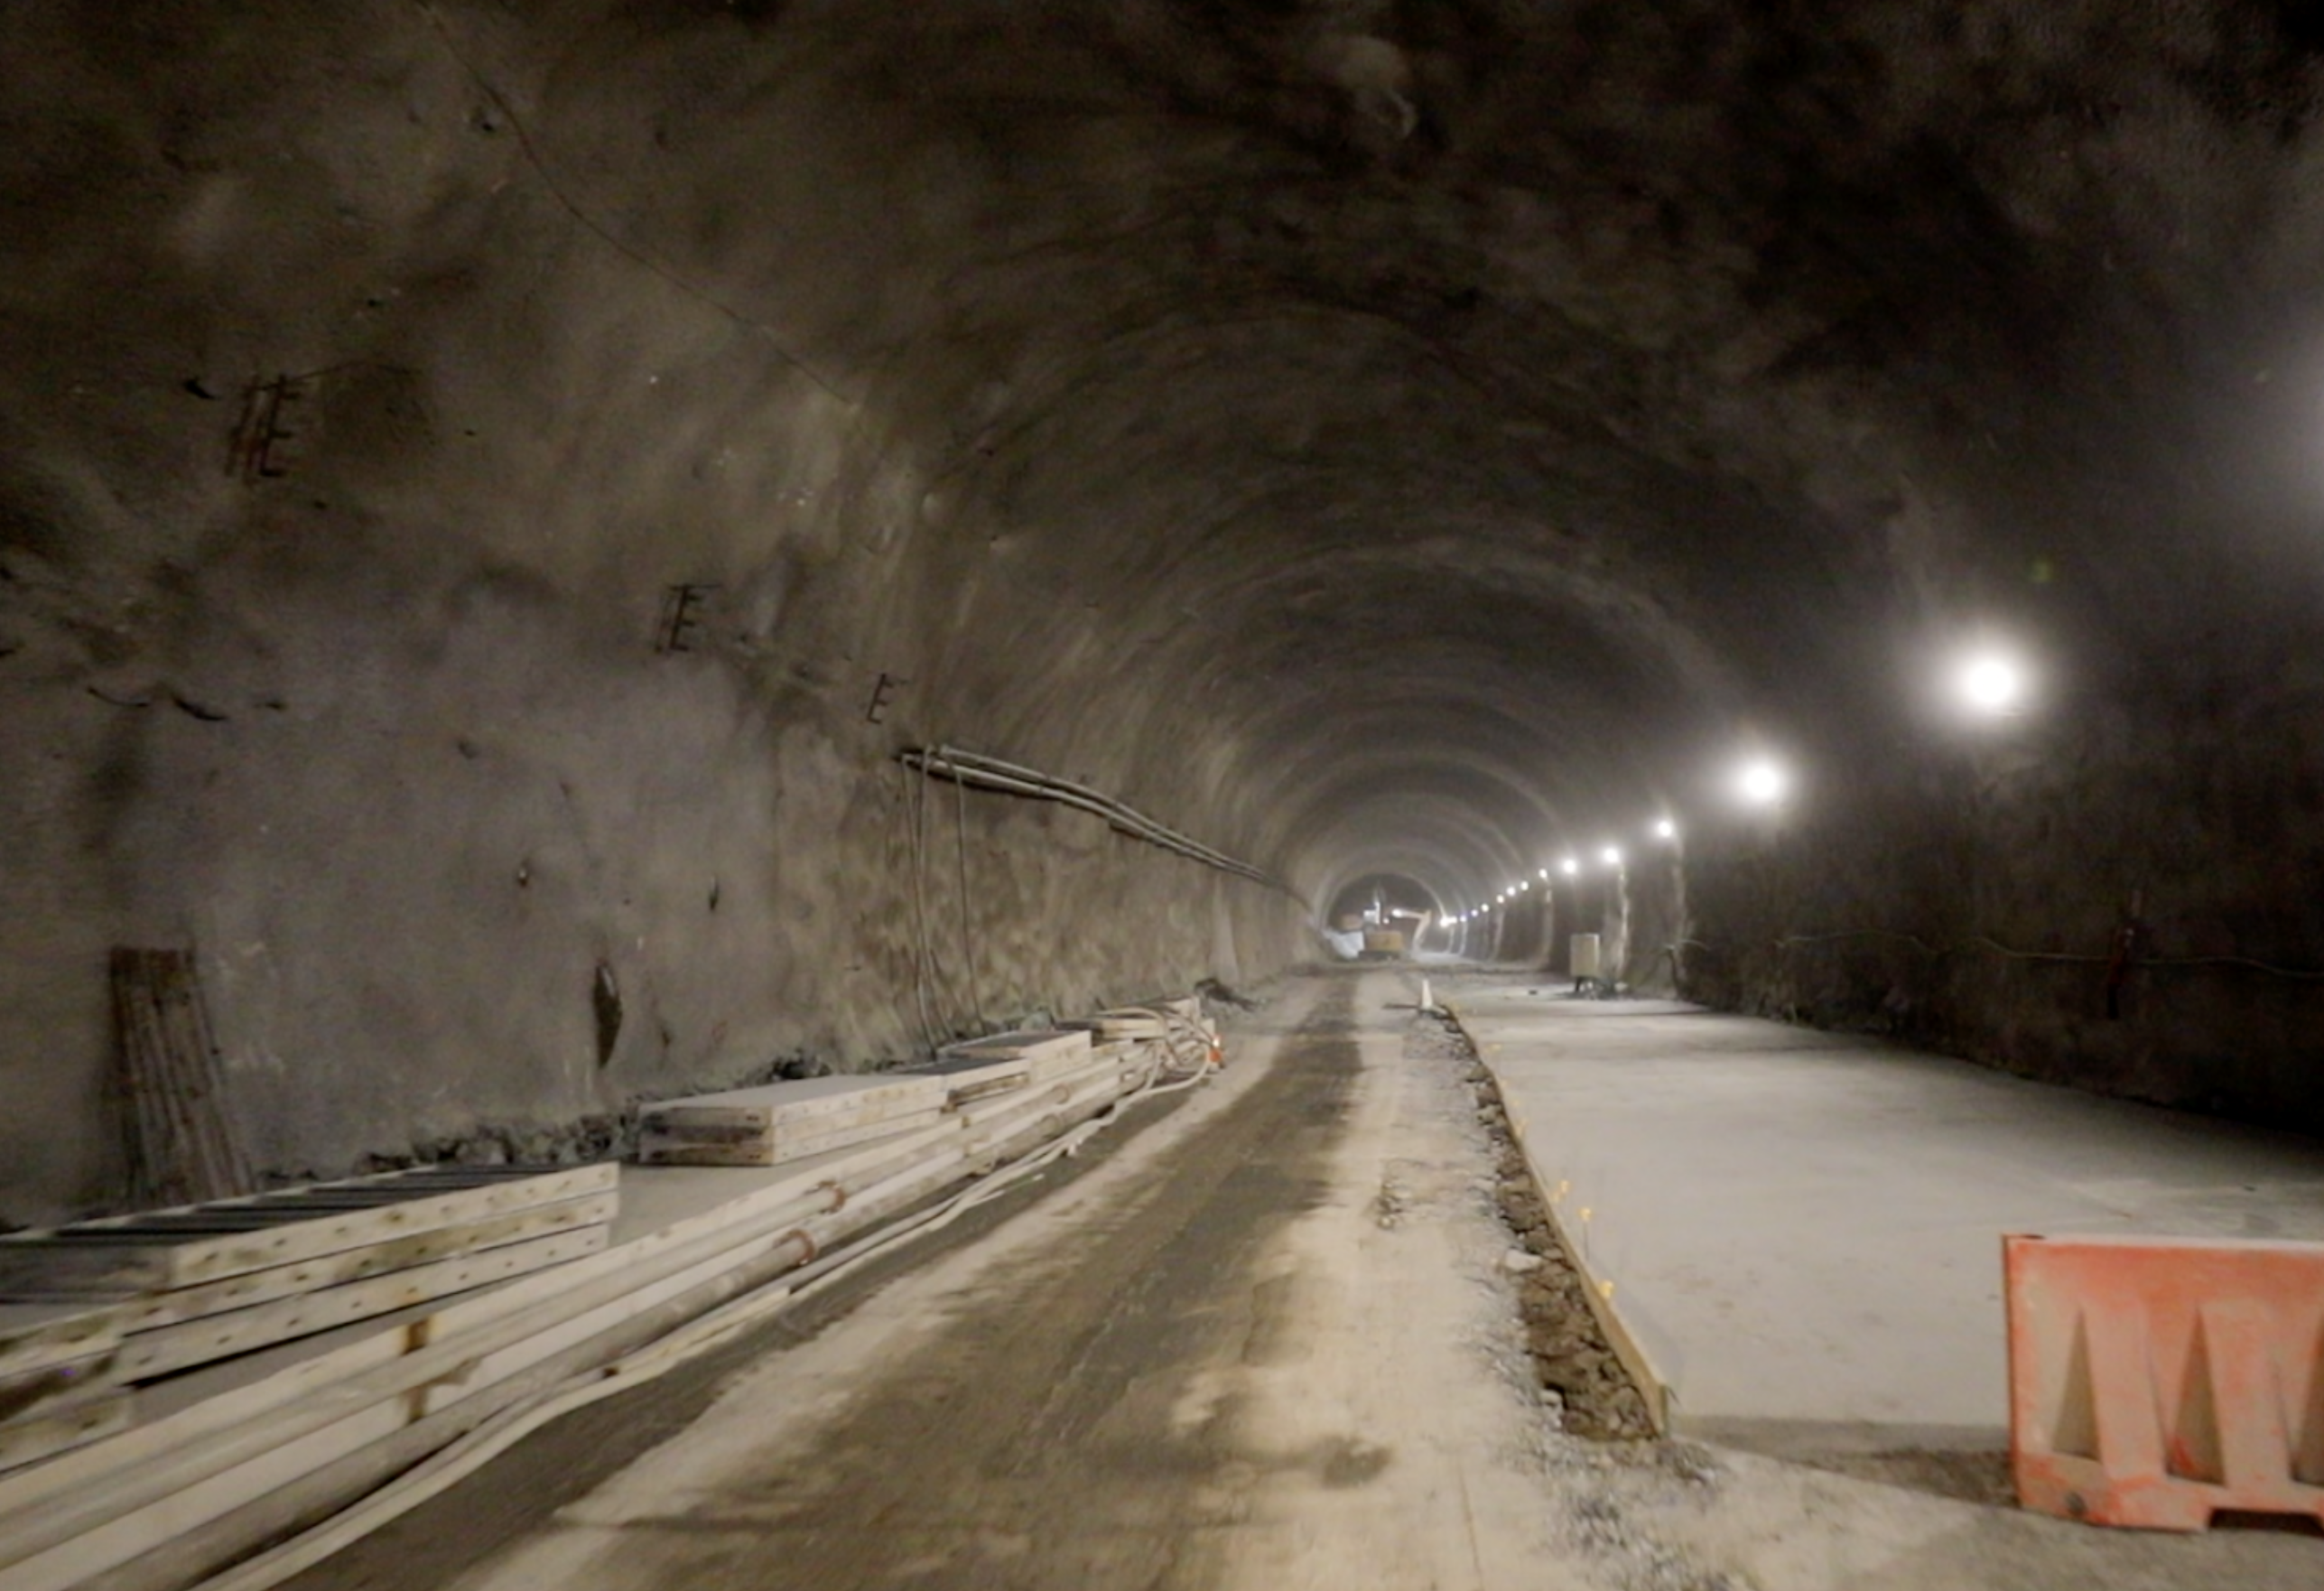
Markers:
point(487, 490)
point(467, 631)
point(2113, 899)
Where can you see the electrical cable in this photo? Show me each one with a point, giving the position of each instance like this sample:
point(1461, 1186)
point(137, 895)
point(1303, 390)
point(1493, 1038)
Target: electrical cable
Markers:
point(992, 774)
point(968, 936)
point(2071, 958)
point(928, 1032)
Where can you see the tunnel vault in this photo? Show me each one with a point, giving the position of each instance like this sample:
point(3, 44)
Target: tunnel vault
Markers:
point(489, 490)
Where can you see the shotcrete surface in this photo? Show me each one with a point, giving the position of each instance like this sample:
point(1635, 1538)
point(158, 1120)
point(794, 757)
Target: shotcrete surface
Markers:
point(1269, 1342)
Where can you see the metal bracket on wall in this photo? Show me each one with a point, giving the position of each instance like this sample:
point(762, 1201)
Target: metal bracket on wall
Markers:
point(681, 615)
point(883, 696)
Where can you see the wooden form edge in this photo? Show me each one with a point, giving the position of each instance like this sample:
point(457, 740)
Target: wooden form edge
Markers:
point(1600, 1291)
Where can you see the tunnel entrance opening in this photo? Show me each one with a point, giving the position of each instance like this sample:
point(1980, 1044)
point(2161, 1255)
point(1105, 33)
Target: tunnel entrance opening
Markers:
point(1381, 916)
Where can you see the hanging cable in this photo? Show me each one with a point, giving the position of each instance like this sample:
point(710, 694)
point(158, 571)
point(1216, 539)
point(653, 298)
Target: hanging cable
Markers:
point(913, 790)
point(2060, 957)
point(968, 936)
point(987, 773)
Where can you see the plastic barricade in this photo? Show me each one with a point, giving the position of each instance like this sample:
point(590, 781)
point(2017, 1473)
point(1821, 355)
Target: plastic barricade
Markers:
point(2156, 1382)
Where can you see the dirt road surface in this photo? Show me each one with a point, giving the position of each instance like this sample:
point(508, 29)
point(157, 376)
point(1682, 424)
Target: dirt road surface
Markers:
point(1265, 1341)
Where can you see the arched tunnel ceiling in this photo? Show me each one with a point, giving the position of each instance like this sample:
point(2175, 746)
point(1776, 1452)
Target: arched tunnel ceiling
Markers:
point(1377, 428)
point(1484, 414)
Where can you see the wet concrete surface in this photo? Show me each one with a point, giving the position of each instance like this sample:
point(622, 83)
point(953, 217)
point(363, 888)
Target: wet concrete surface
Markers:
point(1030, 1444)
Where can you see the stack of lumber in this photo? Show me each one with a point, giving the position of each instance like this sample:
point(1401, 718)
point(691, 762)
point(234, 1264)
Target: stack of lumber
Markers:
point(1045, 1051)
point(184, 1286)
point(60, 1379)
point(224, 1460)
point(1107, 1026)
point(785, 1122)
point(779, 1122)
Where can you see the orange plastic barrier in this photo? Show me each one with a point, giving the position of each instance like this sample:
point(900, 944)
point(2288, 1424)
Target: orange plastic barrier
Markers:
point(2154, 1383)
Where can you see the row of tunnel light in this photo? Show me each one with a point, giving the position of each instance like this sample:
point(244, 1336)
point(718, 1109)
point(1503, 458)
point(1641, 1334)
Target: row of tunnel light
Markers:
point(1988, 683)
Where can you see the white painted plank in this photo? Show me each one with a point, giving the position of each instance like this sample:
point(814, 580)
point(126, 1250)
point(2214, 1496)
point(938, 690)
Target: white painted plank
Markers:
point(28, 1441)
point(205, 1243)
point(195, 1342)
point(153, 1311)
point(35, 1335)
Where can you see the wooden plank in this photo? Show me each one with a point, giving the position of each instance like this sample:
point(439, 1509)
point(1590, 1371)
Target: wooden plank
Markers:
point(1046, 1050)
point(862, 1096)
point(152, 1311)
point(34, 1337)
point(971, 1077)
point(1114, 1025)
point(254, 1452)
point(196, 1341)
point(771, 1146)
point(508, 1323)
point(1052, 1116)
point(169, 1249)
point(29, 1441)
point(227, 1455)
point(37, 1394)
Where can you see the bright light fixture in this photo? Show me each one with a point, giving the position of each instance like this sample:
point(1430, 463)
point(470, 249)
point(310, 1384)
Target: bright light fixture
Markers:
point(1545, 875)
point(1763, 783)
point(1666, 830)
point(1569, 867)
point(1611, 856)
point(1991, 683)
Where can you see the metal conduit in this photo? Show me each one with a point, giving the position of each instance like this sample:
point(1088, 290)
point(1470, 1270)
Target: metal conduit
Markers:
point(989, 773)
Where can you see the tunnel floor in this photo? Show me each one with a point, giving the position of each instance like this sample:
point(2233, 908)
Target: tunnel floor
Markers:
point(1804, 1228)
point(1268, 1340)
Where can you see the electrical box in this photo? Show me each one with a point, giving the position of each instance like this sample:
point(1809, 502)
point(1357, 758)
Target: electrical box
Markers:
point(1584, 955)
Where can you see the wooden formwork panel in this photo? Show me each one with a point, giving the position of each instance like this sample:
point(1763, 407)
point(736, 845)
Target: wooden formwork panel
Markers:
point(826, 1101)
point(1046, 1050)
point(199, 1243)
point(170, 1348)
point(35, 1335)
point(968, 1078)
point(152, 1311)
point(44, 1435)
point(770, 1146)
point(30, 1395)
point(1116, 1025)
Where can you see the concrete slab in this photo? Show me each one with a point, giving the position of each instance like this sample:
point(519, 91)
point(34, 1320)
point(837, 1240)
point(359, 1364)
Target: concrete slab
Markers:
point(1803, 1229)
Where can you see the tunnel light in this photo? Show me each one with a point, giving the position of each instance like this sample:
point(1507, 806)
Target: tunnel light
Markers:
point(1611, 856)
point(1545, 875)
point(1763, 783)
point(1569, 867)
point(1666, 830)
point(1990, 684)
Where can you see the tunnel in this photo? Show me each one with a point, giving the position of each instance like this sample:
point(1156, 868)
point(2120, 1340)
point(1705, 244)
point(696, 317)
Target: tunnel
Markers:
point(564, 554)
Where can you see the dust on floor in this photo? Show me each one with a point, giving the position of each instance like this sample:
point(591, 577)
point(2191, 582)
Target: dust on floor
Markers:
point(1274, 1342)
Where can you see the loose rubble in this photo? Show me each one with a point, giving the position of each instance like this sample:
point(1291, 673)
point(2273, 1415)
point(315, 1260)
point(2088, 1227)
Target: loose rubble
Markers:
point(1571, 1355)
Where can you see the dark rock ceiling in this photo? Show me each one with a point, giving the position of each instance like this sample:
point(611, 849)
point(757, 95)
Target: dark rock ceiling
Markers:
point(1367, 435)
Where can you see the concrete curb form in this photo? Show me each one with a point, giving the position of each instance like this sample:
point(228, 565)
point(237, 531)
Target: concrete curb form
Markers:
point(1600, 1291)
